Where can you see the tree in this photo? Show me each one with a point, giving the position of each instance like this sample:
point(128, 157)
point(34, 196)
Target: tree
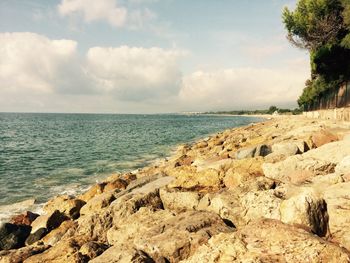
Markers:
point(314, 23)
point(272, 109)
point(323, 28)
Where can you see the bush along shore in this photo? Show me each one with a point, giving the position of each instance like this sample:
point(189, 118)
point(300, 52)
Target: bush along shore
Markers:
point(275, 191)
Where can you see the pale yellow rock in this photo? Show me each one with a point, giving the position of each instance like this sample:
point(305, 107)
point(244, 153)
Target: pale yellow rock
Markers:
point(97, 203)
point(19, 255)
point(67, 205)
point(306, 208)
point(55, 235)
point(268, 241)
point(188, 178)
point(338, 204)
point(175, 200)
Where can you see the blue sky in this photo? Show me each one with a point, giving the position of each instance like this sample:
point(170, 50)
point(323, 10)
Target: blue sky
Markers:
point(145, 56)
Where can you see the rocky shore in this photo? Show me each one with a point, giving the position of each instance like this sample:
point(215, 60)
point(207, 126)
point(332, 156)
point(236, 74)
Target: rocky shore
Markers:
point(275, 191)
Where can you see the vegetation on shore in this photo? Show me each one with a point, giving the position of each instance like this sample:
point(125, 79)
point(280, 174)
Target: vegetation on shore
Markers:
point(323, 28)
point(270, 110)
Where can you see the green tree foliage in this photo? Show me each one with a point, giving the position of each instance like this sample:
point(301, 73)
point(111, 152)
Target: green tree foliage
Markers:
point(314, 23)
point(323, 28)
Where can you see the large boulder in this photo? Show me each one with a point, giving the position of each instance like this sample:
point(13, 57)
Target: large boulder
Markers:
point(323, 137)
point(239, 208)
point(97, 203)
point(253, 151)
point(187, 177)
point(24, 219)
point(177, 238)
point(301, 168)
point(163, 236)
point(13, 236)
point(306, 208)
point(65, 251)
point(93, 191)
point(19, 255)
point(297, 169)
point(67, 229)
point(338, 203)
point(286, 148)
point(68, 205)
point(117, 255)
point(91, 250)
point(269, 240)
point(239, 172)
point(343, 167)
point(44, 224)
point(124, 232)
point(293, 205)
point(143, 192)
point(176, 200)
point(115, 184)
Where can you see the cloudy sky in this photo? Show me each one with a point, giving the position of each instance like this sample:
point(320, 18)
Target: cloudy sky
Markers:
point(146, 56)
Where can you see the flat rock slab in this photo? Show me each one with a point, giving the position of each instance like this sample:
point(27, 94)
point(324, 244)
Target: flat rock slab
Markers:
point(269, 241)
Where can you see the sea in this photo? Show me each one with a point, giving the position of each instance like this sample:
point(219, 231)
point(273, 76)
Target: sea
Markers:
point(43, 155)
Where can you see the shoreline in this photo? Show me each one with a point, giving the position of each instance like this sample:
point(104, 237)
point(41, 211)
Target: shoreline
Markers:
point(247, 179)
point(34, 206)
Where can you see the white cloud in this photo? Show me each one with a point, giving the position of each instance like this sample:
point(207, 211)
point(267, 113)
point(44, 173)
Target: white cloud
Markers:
point(35, 63)
point(241, 88)
point(110, 11)
point(135, 73)
point(41, 74)
point(37, 71)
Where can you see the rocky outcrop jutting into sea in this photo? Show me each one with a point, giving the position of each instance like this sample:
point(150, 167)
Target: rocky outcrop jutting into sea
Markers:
point(275, 191)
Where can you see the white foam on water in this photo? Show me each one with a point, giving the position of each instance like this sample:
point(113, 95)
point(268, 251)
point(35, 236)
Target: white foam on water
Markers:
point(7, 211)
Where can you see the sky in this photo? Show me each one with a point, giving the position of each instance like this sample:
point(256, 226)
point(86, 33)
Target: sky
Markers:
point(147, 56)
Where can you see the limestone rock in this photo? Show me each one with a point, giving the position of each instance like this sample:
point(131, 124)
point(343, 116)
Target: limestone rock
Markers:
point(115, 184)
point(97, 203)
point(297, 169)
point(143, 192)
point(246, 153)
point(93, 191)
point(240, 208)
point(124, 232)
point(95, 226)
point(253, 151)
point(37, 235)
point(116, 255)
point(49, 221)
point(323, 137)
point(330, 152)
point(19, 255)
point(242, 171)
point(184, 160)
point(92, 249)
point(187, 177)
point(175, 200)
point(306, 208)
point(44, 224)
point(344, 166)
point(338, 204)
point(13, 236)
point(24, 219)
point(65, 251)
point(177, 238)
point(67, 205)
point(286, 149)
point(56, 235)
point(268, 240)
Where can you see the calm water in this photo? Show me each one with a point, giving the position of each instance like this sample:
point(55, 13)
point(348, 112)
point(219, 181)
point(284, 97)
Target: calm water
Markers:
point(42, 155)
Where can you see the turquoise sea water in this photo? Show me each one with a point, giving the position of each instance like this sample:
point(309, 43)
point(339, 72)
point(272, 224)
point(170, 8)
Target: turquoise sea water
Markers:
point(42, 155)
